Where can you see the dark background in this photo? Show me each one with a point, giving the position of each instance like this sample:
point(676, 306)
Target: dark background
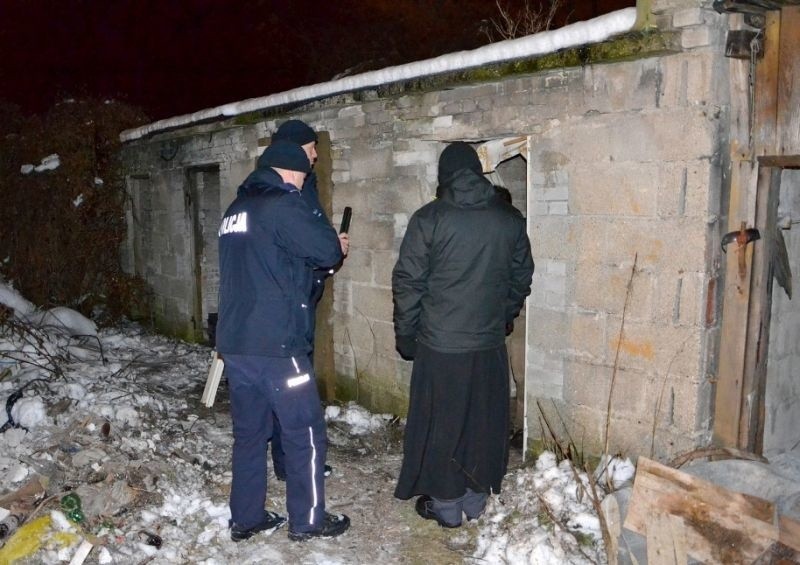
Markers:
point(172, 57)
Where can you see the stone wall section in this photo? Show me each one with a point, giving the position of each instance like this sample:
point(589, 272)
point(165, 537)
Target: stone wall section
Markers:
point(159, 184)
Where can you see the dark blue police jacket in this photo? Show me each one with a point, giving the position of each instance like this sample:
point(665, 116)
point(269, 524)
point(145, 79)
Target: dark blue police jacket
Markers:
point(270, 242)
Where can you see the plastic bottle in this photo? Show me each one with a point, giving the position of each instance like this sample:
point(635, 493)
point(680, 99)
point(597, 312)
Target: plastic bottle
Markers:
point(9, 524)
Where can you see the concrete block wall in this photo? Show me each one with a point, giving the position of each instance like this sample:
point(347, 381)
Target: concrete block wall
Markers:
point(160, 167)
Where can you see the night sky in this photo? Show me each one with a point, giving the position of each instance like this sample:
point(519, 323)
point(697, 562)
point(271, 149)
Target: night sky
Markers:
point(173, 57)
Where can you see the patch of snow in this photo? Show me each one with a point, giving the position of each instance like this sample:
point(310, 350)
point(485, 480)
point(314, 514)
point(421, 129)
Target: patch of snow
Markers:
point(614, 471)
point(63, 319)
point(14, 300)
point(359, 420)
point(49, 163)
point(29, 412)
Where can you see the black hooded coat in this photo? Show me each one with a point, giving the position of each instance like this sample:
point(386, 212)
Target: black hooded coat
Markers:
point(462, 275)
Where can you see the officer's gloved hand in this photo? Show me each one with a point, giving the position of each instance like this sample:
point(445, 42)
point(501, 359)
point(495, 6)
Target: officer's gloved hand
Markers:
point(406, 346)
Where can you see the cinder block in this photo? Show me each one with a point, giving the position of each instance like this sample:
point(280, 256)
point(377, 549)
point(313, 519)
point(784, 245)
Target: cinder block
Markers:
point(680, 298)
point(586, 384)
point(684, 189)
point(689, 17)
point(371, 163)
point(560, 192)
point(618, 189)
point(670, 6)
point(374, 303)
point(357, 267)
point(588, 335)
point(554, 237)
point(547, 329)
point(621, 87)
point(692, 38)
point(351, 111)
point(340, 177)
point(383, 263)
point(656, 244)
point(655, 347)
point(555, 301)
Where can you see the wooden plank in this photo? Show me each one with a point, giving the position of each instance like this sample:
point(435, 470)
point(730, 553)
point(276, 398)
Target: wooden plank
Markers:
point(766, 89)
point(721, 526)
point(788, 134)
point(789, 534)
point(783, 161)
point(733, 337)
point(660, 546)
point(751, 426)
point(729, 397)
point(212, 380)
point(678, 530)
point(613, 518)
point(324, 364)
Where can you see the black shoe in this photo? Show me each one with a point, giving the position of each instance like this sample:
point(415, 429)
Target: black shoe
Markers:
point(471, 518)
point(424, 507)
point(333, 525)
point(326, 472)
point(270, 523)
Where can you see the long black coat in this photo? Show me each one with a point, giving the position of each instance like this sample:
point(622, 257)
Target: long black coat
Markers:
point(463, 273)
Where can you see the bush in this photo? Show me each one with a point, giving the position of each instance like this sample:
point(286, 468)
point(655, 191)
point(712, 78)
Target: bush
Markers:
point(62, 227)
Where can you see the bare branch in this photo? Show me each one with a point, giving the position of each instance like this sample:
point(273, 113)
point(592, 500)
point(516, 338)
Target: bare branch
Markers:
point(525, 20)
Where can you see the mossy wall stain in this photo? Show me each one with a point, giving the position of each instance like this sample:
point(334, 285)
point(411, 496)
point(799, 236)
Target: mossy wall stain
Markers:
point(634, 45)
point(370, 392)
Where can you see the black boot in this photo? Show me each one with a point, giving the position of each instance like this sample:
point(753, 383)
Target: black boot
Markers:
point(271, 522)
point(424, 507)
point(333, 525)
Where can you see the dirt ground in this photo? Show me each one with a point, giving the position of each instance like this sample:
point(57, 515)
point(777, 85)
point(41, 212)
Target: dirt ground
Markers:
point(383, 528)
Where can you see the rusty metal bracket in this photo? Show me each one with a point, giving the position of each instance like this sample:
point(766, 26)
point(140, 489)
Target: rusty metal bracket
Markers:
point(742, 237)
point(744, 44)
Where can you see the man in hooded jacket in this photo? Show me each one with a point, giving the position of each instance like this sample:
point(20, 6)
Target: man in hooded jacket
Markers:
point(270, 241)
point(462, 275)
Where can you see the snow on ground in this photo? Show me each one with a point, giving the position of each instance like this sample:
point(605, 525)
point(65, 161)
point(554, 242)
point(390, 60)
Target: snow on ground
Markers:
point(122, 426)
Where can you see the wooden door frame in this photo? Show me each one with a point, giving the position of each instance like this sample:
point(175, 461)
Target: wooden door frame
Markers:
point(324, 361)
point(747, 302)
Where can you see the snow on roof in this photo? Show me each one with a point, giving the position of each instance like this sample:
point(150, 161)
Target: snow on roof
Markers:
point(573, 35)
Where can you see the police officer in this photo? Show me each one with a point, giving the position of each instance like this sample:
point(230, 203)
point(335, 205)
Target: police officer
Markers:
point(270, 241)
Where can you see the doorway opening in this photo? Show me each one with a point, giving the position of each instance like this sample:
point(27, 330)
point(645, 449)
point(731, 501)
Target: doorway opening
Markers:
point(505, 162)
point(203, 209)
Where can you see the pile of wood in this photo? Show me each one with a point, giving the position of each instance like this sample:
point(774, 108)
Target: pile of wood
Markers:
point(685, 517)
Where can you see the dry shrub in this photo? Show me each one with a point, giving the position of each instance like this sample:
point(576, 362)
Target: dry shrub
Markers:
point(62, 228)
point(515, 19)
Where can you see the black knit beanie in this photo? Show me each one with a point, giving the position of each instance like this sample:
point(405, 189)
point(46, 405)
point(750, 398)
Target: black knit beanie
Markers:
point(284, 154)
point(458, 156)
point(297, 131)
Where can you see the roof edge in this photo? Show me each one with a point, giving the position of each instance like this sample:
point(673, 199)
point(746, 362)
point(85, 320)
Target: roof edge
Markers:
point(580, 33)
